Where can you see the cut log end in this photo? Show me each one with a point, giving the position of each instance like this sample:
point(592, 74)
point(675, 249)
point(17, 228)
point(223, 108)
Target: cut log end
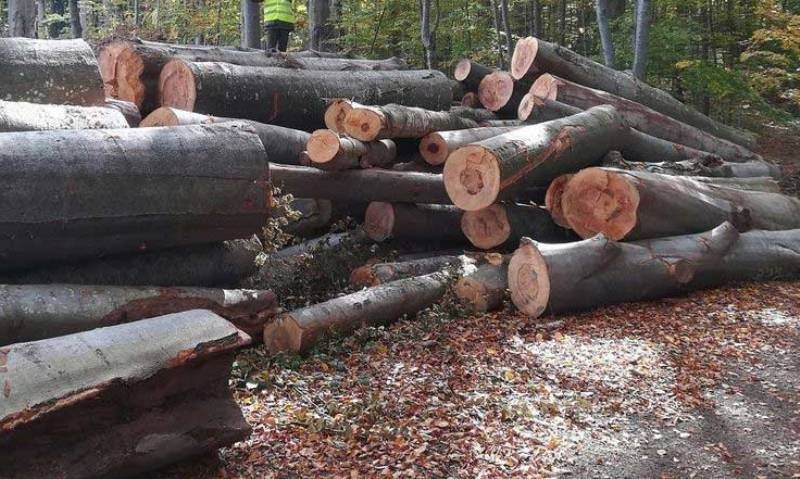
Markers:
point(128, 76)
point(599, 201)
point(364, 124)
point(471, 100)
point(379, 221)
point(462, 69)
point(546, 87)
point(524, 56)
point(472, 178)
point(553, 198)
point(161, 117)
point(495, 90)
point(283, 336)
point(323, 146)
point(433, 149)
point(107, 62)
point(336, 113)
point(472, 293)
point(176, 85)
point(529, 279)
point(487, 228)
point(363, 276)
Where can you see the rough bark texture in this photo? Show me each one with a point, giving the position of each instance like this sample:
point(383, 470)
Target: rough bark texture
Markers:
point(328, 151)
point(49, 71)
point(251, 24)
point(483, 289)
point(380, 273)
point(437, 146)
point(128, 110)
point(475, 175)
point(398, 121)
point(23, 116)
point(712, 167)
point(503, 224)
point(499, 92)
point(111, 191)
point(640, 48)
point(315, 215)
point(300, 330)
point(417, 222)
point(292, 98)
point(606, 39)
point(533, 57)
point(119, 401)
point(22, 18)
point(322, 25)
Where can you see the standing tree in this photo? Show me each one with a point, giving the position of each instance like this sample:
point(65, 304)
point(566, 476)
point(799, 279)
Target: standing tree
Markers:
point(507, 27)
point(22, 18)
point(427, 35)
point(75, 19)
point(251, 24)
point(497, 28)
point(322, 15)
point(603, 23)
point(642, 34)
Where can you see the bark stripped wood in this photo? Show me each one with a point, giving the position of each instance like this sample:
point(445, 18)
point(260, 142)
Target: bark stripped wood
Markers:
point(128, 110)
point(638, 205)
point(302, 329)
point(411, 221)
point(23, 116)
point(499, 92)
point(484, 289)
point(533, 57)
point(222, 264)
point(73, 309)
point(380, 273)
point(49, 71)
point(292, 98)
point(640, 117)
point(120, 401)
point(437, 146)
point(328, 151)
point(111, 191)
point(502, 224)
point(369, 123)
point(470, 74)
point(475, 175)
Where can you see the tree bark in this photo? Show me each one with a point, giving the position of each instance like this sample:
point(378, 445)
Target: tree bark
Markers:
point(475, 175)
point(716, 168)
point(533, 57)
point(640, 49)
point(292, 98)
point(503, 224)
point(120, 401)
point(128, 110)
point(470, 74)
point(380, 273)
point(22, 18)
point(321, 25)
point(75, 19)
point(427, 37)
point(368, 123)
point(501, 93)
point(437, 146)
point(251, 24)
point(500, 123)
point(607, 41)
point(506, 20)
point(497, 29)
point(49, 71)
point(300, 330)
point(22, 116)
point(111, 191)
point(410, 221)
point(484, 289)
point(638, 116)
point(328, 151)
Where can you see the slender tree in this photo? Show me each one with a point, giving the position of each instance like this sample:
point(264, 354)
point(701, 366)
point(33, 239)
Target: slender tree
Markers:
point(507, 27)
point(606, 40)
point(251, 24)
point(642, 37)
point(75, 19)
point(321, 24)
point(22, 18)
point(562, 22)
point(497, 28)
point(426, 35)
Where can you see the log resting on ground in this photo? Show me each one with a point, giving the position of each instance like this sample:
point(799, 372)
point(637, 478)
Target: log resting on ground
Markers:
point(23, 116)
point(119, 401)
point(502, 224)
point(437, 146)
point(380, 273)
point(328, 151)
point(368, 123)
point(104, 192)
point(484, 289)
point(410, 221)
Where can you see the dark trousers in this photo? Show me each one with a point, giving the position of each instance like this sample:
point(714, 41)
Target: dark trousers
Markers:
point(277, 38)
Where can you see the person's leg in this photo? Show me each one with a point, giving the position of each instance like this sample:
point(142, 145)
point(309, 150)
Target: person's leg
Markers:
point(272, 38)
point(283, 39)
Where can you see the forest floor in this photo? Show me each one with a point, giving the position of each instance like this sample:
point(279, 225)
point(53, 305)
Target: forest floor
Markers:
point(704, 386)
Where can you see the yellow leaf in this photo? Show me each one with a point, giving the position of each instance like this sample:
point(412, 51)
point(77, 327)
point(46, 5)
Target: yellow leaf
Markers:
point(509, 375)
point(553, 443)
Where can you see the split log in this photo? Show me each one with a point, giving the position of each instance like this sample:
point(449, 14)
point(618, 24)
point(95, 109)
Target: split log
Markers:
point(410, 221)
point(484, 289)
point(470, 74)
point(292, 98)
point(34, 312)
point(368, 123)
point(222, 264)
point(336, 111)
point(300, 330)
point(49, 71)
point(533, 57)
point(112, 192)
point(475, 175)
point(119, 401)
point(638, 205)
point(23, 116)
point(640, 117)
point(328, 151)
point(128, 110)
point(437, 146)
point(380, 273)
point(499, 92)
point(502, 224)
point(471, 100)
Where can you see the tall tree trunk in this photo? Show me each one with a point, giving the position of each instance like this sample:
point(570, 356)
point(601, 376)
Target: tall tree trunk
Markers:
point(497, 28)
point(75, 19)
point(321, 25)
point(507, 27)
point(251, 24)
point(538, 27)
point(562, 22)
point(41, 31)
point(427, 37)
point(609, 56)
point(22, 18)
point(642, 37)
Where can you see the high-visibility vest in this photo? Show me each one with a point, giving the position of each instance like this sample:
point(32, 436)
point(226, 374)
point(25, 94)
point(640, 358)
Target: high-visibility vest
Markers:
point(278, 10)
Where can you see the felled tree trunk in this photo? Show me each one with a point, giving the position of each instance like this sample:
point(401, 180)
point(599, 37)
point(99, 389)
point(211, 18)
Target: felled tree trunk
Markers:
point(300, 330)
point(111, 191)
point(484, 289)
point(128, 110)
point(500, 123)
point(636, 205)
point(410, 221)
point(476, 174)
point(533, 57)
point(471, 100)
point(470, 74)
point(640, 117)
point(49, 71)
point(437, 146)
point(23, 116)
point(328, 151)
point(502, 224)
point(314, 215)
point(120, 401)
point(292, 98)
point(336, 111)
point(478, 114)
point(499, 92)
point(380, 273)
point(710, 167)
point(398, 121)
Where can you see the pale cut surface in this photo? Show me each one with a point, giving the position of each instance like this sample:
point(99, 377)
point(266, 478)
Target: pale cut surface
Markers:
point(553, 198)
point(472, 178)
point(599, 201)
point(545, 87)
point(379, 220)
point(529, 279)
point(524, 55)
point(487, 228)
point(433, 149)
point(364, 124)
point(323, 146)
point(495, 90)
point(176, 86)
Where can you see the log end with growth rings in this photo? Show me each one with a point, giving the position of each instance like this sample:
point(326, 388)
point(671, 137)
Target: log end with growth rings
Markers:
point(599, 201)
point(323, 146)
point(107, 63)
point(176, 86)
point(335, 114)
point(545, 87)
point(471, 100)
point(472, 178)
point(363, 276)
point(495, 90)
point(128, 76)
point(524, 56)
point(529, 279)
point(487, 228)
point(283, 335)
point(472, 293)
point(462, 70)
point(364, 124)
point(163, 116)
point(379, 221)
point(526, 106)
point(433, 149)
point(553, 198)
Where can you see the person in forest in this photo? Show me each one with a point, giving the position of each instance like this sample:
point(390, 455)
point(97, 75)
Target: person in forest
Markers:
point(278, 21)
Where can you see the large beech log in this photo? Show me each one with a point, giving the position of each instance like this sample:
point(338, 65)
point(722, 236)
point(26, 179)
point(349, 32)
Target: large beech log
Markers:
point(130, 111)
point(475, 175)
point(634, 205)
point(222, 264)
point(499, 92)
point(470, 74)
point(437, 146)
point(328, 151)
point(484, 289)
point(23, 116)
point(34, 312)
point(49, 71)
point(283, 145)
point(380, 273)
point(300, 330)
point(598, 271)
point(103, 192)
point(368, 123)
point(640, 117)
point(533, 57)
point(292, 98)
point(502, 224)
point(119, 401)
point(410, 221)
